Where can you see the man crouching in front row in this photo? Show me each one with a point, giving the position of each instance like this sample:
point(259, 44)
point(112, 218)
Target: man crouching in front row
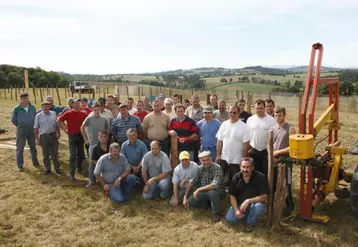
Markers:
point(248, 194)
point(113, 172)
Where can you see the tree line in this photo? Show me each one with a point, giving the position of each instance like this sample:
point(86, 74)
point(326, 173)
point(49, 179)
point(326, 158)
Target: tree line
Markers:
point(13, 76)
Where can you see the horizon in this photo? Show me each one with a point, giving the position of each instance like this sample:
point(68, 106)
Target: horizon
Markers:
point(117, 37)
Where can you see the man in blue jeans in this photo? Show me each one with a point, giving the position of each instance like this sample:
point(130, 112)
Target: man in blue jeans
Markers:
point(248, 194)
point(23, 117)
point(113, 172)
point(155, 172)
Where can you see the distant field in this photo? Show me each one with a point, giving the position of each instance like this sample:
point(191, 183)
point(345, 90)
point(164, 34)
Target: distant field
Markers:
point(247, 87)
point(137, 78)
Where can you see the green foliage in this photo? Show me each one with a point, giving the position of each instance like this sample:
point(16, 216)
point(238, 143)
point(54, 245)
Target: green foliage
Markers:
point(152, 83)
point(14, 76)
point(223, 80)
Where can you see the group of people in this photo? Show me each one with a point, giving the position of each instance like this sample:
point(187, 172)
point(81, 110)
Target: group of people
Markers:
point(221, 149)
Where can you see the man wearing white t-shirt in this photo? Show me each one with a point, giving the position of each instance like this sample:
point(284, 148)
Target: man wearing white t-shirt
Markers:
point(233, 143)
point(259, 125)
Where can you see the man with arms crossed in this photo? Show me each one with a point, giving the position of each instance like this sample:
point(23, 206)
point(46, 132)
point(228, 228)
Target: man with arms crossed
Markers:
point(259, 125)
point(181, 177)
point(207, 179)
point(155, 172)
point(233, 144)
point(113, 172)
point(248, 194)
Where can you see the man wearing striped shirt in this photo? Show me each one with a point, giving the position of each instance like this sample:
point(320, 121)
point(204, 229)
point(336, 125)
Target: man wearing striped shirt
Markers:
point(47, 133)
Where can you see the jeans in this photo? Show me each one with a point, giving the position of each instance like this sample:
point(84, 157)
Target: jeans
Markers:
point(49, 145)
point(160, 188)
point(229, 170)
point(208, 198)
point(122, 193)
point(253, 211)
point(260, 160)
point(212, 151)
point(77, 153)
point(23, 135)
point(91, 175)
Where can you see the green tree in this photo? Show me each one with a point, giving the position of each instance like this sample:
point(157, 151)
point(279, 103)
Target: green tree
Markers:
point(15, 79)
point(2, 79)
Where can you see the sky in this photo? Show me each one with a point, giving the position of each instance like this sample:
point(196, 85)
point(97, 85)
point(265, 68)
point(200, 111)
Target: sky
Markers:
point(137, 36)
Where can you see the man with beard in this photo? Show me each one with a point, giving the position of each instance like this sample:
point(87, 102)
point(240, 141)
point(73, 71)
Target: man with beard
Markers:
point(222, 114)
point(281, 133)
point(259, 125)
point(248, 194)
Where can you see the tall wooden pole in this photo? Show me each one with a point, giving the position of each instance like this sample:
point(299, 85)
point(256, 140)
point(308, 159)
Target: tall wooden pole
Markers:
point(34, 93)
point(58, 96)
point(270, 178)
point(174, 151)
point(26, 79)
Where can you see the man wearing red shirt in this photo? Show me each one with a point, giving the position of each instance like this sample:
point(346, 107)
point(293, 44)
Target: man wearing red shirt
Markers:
point(84, 106)
point(74, 119)
point(141, 113)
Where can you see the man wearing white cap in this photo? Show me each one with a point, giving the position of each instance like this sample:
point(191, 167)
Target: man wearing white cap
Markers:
point(208, 179)
point(168, 104)
point(181, 177)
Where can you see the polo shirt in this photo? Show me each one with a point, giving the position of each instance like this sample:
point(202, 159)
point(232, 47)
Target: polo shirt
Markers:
point(141, 115)
point(46, 122)
point(208, 132)
point(109, 170)
point(244, 116)
point(221, 116)
point(256, 186)
point(94, 125)
point(156, 165)
point(184, 129)
point(134, 153)
point(74, 120)
point(97, 151)
point(120, 127)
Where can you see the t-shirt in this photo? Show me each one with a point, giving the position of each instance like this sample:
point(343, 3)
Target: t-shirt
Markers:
point(132, 111)
point(259, 128)
point(171, 114)
point(241, 190)
point(97, 151)
point(233, 136)
point(181, 173)
point(156, 165)
point(221, 116)
point(109, 170)
point(244, 116)
point(94, 125)
point(74, 120)
point(141, 115)
point(156, 126)
point(184, 129)
point(107, 114)
point(208, 132)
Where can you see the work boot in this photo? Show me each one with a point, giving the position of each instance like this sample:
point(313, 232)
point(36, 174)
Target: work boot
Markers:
point(216, 218)
point(249, 228)
point(58, 171)
point(47, 172)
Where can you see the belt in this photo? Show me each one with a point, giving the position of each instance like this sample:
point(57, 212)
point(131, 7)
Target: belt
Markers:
point(53, 133)
point(257, 151)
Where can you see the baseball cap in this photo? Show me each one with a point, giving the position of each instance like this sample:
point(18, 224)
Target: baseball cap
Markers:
point(204, 154)
point(161, 95)
point(45, 102)
point(184, 155)
point(168, 101)
point(208, 109)
point(84, 99)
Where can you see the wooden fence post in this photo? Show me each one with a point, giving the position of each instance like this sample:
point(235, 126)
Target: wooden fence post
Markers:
point(151, 91)
point(127, 92)
point(5, 93)
point(248, 106)
point(174, 151)
point(280, 197)
point(0, 93)
point(79, 93)
point(138, 89)
point(270, 178)
point(26, 80)
point(34, 93)
point(208, 99)
point(11, 93)
point(104, 92)
point(242, 94)
point(107, 91)
point(58, 96)
point(41, 96)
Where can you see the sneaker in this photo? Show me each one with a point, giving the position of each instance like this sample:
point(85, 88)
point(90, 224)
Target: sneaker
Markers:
point(58, 171)
point(72, 178)
point(47, 172)
point(90, 183)
point(249, 228)
point(216, 218)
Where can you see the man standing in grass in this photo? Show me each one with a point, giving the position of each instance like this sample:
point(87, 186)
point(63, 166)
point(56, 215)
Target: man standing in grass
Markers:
point(248, 194)
point(113, 172)
point(47, 133)
point(221, 114)
point(90, 129)
point(74, 119)
point(23, 117)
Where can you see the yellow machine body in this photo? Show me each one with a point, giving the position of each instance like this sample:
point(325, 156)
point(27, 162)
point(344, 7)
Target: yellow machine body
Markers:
point(301, 146)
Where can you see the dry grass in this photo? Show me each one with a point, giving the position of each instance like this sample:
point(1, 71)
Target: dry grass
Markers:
point(39, 210)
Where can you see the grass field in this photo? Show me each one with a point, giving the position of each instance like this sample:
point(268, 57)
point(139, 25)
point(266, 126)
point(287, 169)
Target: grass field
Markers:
point(40, 210)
